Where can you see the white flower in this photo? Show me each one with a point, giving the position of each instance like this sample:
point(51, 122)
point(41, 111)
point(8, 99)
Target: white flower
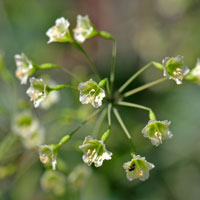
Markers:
point(34, 139)
point(54, 181)
point(175, 69)
point(37, 91)
point(138, 168)
point(47, 155)
point(83, 28)
point(94, 151)
point(24, 124)
point(157, 131)
point(24, 68)
point(60, 31)
point(90, 92)
point(194, 75)
point(52, 97)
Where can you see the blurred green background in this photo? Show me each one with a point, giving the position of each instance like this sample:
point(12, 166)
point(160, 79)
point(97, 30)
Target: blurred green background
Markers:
point(146, 30)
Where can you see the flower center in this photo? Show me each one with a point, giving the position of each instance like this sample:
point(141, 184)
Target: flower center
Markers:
point(178, 72)
point(44, 158)
point(90, 153)
point(139, 174)
point(159, 136)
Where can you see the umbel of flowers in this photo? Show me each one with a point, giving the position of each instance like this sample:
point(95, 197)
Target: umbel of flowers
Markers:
point(101, 95)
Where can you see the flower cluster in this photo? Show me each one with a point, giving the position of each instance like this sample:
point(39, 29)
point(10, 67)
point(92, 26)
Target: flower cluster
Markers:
point(43, 93)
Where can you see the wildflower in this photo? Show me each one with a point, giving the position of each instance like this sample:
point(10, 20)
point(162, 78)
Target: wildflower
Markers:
point(52, 97)
point(194, 75)
point(78, 176)
point(47, 155)
point(53, 181)
point(60, 31)
point(37, 91)
point(94, 151)
point(24, 124)
point(84, 29)
point(137, 168)
point(175, 69)
point(157, 131)
point(91, 92)
point(25, 68)
point(35, 138)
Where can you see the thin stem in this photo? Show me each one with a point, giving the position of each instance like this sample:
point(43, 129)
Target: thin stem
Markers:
point(99, 123)
point(70, 73)
point(109, 115)
point(68, 136)
point(133, 105)
point(60, 87)
point(148, 85)
point(134, 76)
point(92, 66)
point(124, 129)
point(112, 74)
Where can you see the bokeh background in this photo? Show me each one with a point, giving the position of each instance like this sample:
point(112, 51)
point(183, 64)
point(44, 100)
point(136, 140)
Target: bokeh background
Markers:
point(146, 30)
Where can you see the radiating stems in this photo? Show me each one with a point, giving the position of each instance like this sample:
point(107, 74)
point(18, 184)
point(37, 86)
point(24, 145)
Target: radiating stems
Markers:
point(67, 137)
point(119, 119)
point(148, 85)
point(92, 66)
point(70, 74)
point(133, 105)
point(112, 74)
point(134, 76)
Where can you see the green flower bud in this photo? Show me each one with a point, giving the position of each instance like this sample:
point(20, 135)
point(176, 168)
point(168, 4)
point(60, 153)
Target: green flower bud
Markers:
point(94, 151)
point(138, 168)
point(175, 69)
point(90, 92)
point(157, 131)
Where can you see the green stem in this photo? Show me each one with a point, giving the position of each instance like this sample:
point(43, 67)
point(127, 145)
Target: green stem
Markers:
point(133, 105)
point(124, 129)
point(105, 135)
point(134, 76)
point(99, 123)
point(148, 85)
point(112, 74)
point(80, 48)
point(60, 87)
point(70, 73)
point(47, 66)
point(109, 114)
point(67, 137)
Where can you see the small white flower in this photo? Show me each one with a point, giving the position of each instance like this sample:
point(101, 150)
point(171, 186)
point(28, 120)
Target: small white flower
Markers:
point(34, 139)
point(37, 91)
point(157, 131)
point(94, 151)
point(83, 28)
point(54, 181)
point(24, 67)
point(194, 75)
point(175, 69)
point(91, 93)
point(52, 97)
point(60, 31)
point(47, 155)
point(24, 124)
point(138, 168)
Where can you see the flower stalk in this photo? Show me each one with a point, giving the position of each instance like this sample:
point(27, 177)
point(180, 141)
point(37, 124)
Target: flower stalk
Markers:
point(141, 88)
